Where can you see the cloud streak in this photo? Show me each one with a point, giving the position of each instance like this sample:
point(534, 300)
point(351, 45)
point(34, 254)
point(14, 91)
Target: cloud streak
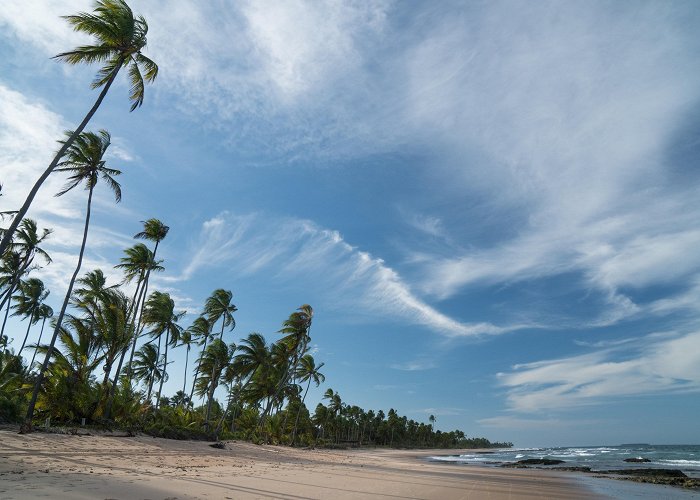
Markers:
point(653, 365)
point(300, 251)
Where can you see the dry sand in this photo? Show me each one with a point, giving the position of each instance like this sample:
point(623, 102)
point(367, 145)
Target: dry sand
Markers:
point(56, 466)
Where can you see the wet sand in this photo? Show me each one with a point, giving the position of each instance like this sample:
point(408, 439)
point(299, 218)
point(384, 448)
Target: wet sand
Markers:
point(57, 466)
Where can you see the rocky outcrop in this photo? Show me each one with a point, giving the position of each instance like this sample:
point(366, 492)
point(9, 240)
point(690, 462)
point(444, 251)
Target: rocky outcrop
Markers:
point(637, 460)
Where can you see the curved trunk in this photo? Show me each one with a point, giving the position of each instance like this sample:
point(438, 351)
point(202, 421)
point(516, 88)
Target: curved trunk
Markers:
point(112, 390)
point(184, 382)
point(4, 321)
point(296, 421)
point(27, 427)
point(153, 372)
point(144, 291)
point(38, 342)
point(212, 389)
point(199, 364)
point(7, 237)
point(137, 330)
point(165, 366)
point(26, 335)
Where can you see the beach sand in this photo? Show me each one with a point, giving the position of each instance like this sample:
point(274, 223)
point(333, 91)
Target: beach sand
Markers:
point(58, 466)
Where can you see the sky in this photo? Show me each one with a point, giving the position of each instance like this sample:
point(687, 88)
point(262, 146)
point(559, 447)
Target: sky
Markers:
point(491, 206)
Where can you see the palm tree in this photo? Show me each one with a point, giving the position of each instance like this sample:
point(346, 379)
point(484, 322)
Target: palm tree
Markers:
point(201, 329)
point(153, 230)
point(19, 259)
point(159, 314)
point(187, 340)
point(85, 164)
point(307, 370)
point(213, 361)
point(295, 343)
point(27, 302)
point(70, 368)
point(119, 39)
point(219, 305)
point(146, 367)
point(138, 263)
point(44, 312)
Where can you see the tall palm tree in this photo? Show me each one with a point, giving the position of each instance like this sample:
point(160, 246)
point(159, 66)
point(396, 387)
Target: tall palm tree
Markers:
point(146, 367)
point(213, 361)
point(201, 329)
point(307, 371)
point(84, 161)
point(44, 312)
point(159, 314)
point(71, 366)
point(153, 230)
point(186, 339)
point(18, 261)
point(137, 264)
point(295, 342)
point(119, 39)
point(219, 306)
point(27, 302)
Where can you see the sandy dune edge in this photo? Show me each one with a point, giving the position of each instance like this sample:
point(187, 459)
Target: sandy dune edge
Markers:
point(59, 466)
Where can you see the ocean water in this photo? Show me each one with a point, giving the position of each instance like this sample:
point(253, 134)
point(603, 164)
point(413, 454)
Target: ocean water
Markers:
point(682, 457)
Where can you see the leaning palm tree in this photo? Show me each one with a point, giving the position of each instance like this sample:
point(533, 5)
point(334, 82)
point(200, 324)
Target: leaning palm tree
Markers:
point(43, 313)
point(219, 306)
point(186, 340)
point(201, 329)
point(84, 162)
point(153, 230)
point(159, 314)
point(307, 370)
point(213, 362)
point(137, 264)
point(19, 260)
point(27, 302)
point(119, 39)
point(146, 367)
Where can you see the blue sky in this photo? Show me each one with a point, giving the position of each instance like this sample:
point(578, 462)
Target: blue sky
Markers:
point(491, 206)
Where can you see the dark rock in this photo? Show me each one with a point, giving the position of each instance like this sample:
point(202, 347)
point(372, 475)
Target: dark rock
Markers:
point(647, 472)
point(637, 460)
point(540, 461)
point(219, 445)
point(573, 469)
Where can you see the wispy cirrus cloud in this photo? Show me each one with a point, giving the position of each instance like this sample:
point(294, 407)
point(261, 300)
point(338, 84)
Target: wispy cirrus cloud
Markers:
point(299, 250)
point(655, 364)
point(412, 366)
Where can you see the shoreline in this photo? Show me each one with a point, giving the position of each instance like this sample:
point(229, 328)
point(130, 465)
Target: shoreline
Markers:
point(83, 467)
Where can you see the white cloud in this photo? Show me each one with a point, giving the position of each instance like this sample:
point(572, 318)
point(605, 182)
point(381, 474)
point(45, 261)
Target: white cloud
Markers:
point(293, 250)
point(655, 364)
point(412, 366)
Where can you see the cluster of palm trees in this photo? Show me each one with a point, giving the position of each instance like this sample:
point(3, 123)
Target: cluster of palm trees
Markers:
point(107, 358)
point(342, 425)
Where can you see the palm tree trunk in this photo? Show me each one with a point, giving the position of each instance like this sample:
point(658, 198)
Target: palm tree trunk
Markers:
point(296, 421)
point(112, 390)
point(4, 321)
point(27, 426)
point(196, 373)
point(26, 335)
point(184, 382)
point(7, 237)
point(41, 332)
point(165, 366)
point(144, 290)
point(137, 331)
point(153, 372)
point(212, 389)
